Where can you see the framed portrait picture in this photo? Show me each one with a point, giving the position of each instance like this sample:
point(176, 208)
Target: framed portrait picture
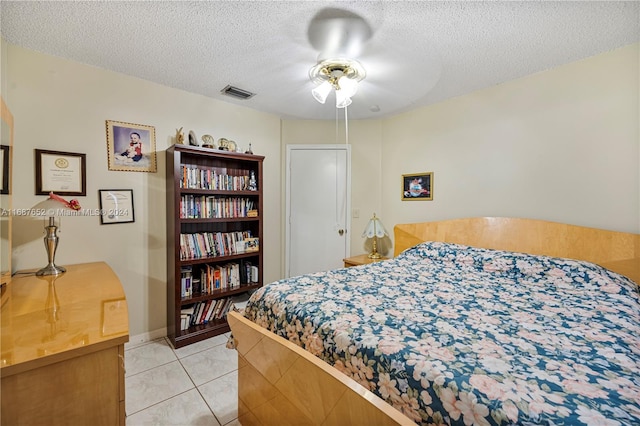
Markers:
point(64, 173)
point(116, 206)
point(131, 147)
point(5, 164)
point(418, 186)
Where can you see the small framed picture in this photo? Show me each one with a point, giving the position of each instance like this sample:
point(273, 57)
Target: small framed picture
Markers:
point(417, 187)
point(116, 206)
point(5, 164)
point(131, 147)
point(251, 244)
point(61, 172)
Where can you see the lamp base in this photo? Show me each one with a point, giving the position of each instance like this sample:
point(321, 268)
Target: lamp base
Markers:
point(51, 269)
point(51, 244)
point(375, 255)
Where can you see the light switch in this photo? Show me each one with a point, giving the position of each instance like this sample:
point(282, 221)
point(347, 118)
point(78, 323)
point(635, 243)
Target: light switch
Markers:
point(355, 213)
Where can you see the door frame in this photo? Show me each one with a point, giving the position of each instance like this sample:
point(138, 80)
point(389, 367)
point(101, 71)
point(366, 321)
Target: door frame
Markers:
point(347, 213)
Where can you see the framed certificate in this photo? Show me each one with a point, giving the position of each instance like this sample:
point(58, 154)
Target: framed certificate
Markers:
point(61, 172)
point(116, 206)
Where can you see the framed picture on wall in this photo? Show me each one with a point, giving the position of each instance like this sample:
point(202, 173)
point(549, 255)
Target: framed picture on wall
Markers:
point(64, 173)
point(131, 147)
point(417, 187)
point(116, 206)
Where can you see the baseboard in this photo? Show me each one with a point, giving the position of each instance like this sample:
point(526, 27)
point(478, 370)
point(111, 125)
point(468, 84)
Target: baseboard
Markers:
point(141, 339)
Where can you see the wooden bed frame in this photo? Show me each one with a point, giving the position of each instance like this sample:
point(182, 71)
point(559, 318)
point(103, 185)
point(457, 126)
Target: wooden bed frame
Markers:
point(280, 383)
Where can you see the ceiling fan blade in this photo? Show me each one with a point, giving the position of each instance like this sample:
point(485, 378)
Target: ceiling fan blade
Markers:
point(338, 33)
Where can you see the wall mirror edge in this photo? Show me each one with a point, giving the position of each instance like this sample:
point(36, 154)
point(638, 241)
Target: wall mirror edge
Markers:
point(6, 132)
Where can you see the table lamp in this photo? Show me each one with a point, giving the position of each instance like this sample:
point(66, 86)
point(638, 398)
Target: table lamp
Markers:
point(375, 229)
point(52, 207)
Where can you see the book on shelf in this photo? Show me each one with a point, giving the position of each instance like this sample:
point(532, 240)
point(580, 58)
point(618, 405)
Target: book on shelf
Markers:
point(205, 312)
point(214, 178)
point(216, 207)
point(213, 244)
point(185, 317)
point(185, 281)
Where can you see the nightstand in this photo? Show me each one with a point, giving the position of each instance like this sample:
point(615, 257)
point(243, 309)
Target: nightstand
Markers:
point(361, 259)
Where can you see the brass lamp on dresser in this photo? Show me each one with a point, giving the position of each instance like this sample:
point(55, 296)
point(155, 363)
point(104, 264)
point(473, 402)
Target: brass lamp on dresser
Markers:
point(62, 354)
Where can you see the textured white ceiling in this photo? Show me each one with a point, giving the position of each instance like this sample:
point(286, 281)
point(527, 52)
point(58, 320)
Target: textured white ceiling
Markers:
point(421, 52)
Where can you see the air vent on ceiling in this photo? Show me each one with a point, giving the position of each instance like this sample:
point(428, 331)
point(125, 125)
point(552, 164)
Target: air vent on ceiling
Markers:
point(236, 92)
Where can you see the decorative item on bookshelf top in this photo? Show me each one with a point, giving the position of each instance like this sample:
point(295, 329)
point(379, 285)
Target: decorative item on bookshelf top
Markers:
point(193, 139)
point(208, 142)
point(180, 136)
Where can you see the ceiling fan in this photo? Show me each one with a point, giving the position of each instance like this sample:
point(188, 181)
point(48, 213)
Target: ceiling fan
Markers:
point(350, 60)
point(339, 35)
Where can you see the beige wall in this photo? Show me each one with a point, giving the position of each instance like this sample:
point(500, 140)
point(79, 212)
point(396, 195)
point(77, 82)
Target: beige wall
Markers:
point(62, 105)
point(561, 145)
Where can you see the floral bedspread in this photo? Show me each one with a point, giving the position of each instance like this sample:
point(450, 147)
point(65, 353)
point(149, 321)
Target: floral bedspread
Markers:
point(450, 334)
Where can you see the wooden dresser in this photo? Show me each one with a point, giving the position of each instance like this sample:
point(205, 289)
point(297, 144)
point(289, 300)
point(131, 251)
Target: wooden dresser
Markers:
point(62, 353)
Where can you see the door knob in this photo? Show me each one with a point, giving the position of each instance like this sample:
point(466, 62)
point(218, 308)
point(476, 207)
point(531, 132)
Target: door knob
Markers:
point(340, 232)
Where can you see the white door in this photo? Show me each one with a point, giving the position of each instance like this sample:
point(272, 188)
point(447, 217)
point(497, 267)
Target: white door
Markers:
point(317, 197)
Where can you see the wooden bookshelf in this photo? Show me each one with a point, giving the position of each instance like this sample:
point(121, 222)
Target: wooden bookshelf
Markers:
point(212, 200)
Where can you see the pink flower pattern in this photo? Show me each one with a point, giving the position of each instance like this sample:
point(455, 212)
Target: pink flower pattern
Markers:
point(449, 334)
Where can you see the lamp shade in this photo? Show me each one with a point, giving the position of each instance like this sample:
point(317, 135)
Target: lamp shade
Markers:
point(50, 208)
point(55, 206)
point(374, 228)
point(349, 85)
point(321, 92)
point(342, 100)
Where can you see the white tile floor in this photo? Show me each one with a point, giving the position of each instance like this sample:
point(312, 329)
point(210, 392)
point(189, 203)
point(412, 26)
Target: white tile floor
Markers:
point(194, 385)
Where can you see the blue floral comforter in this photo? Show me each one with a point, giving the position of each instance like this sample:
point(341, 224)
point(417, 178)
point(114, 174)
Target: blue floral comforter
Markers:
point(449, 334)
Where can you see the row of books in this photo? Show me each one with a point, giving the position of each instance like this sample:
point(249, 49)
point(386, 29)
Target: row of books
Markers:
point(207, 278)
point(212, 207)
point(214, 178)
point(214, 244)
point(204, 312)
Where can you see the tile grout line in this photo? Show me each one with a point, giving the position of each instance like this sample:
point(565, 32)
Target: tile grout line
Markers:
point(156, 403)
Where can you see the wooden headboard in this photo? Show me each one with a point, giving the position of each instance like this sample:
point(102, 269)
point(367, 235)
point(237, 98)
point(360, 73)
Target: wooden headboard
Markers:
point(616, 251)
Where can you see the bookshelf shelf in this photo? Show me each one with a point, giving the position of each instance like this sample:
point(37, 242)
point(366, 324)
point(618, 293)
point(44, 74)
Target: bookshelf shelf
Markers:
point(204, 220)
point(216, 258)
point(218, 293)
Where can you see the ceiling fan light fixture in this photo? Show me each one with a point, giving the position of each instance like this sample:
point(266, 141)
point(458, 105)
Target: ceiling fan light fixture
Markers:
point(342, 75)
point(321, 92)
point(342, 99)
point(348, 85)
